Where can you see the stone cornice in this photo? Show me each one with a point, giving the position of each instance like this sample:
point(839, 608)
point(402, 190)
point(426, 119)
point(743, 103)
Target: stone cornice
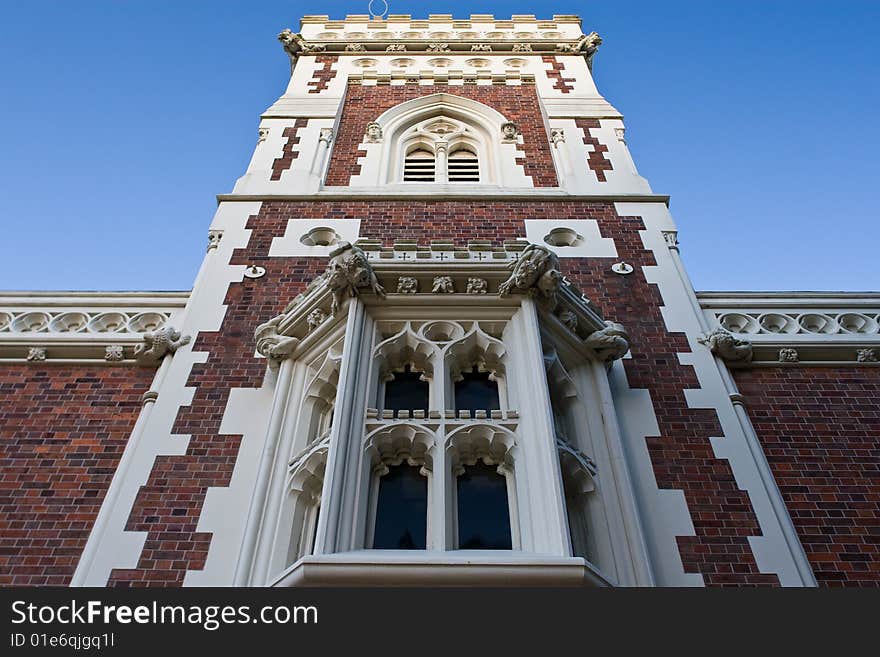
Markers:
point(471, 193)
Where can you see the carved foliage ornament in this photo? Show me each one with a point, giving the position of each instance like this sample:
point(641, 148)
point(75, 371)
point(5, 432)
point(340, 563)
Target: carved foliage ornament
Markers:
point(407, 285)
point(728, 348)
point(443, 285)
point(868, 355)
point(477, 286)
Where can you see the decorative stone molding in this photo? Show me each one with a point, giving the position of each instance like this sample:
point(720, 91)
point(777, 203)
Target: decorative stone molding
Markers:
point(522, 47)
point(557, 136)
point(349, 272)
point(438, 47)
point(535, 273)
point(355, 47)
point(620, 133)
point(609, 343)
point(157, 344)
point(396, 47)
point(374, 132)
point(788, 355)
point(481, 442)
point(114, 353)
point(815, 323)
point(721, 343)
point(442, 285)
point(214, 237)
point(316, 318)
point(481, 47)
point(407, 285)
point(270, 343)
point(509, 131)
point(868, 355)
point(398, 443)
point(36, 354)
point(262, 134)
point(477, 286)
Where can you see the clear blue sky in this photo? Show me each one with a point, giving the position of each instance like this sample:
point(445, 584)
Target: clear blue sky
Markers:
point(120, 121)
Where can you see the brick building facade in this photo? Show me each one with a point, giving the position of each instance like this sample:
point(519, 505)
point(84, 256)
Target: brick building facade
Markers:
point(508, 379)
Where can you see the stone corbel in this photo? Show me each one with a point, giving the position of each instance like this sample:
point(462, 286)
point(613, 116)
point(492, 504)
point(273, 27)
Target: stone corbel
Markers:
point(158, 344)
point(272, 345)
point(535, 273)
point(730, 349)
point(348, 273)
point(609, 343)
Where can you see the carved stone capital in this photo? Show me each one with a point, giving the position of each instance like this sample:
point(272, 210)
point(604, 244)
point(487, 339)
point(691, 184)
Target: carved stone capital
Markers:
point(214, 237)
point(325, 136)
point(609, 343)
point(557, 136)
point(671, 238)
point(157, 344)
point(722, 343)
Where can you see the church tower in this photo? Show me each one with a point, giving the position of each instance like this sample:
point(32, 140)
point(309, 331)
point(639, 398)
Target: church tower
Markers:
point(442, 334)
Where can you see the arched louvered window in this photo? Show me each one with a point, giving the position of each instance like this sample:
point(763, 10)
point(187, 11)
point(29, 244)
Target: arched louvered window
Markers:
point(463, 166)
point(419, 166)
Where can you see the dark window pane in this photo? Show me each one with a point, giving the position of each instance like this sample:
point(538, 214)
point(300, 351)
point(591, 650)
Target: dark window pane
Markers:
point(475, 392)
point(483, 516)
point(402, 510)
point(406, 392)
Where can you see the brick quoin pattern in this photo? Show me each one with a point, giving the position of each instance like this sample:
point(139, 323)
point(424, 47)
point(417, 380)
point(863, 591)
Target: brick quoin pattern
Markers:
point(517, 103)
point(820, 429)
point(288, 155)
point(596, 160)
point(168, 507)
point(555, 74)
point(324, 74)
point(62, 432)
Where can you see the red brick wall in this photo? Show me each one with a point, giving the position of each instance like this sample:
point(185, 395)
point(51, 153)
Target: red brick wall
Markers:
point(820, 429)
point(288, 154)
point(565, 85)
point(517, 103)
point(168, 507)
point(62, 433)
point(596, 159)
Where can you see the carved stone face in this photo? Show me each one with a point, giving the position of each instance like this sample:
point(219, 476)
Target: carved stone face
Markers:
point(374, 131)
point(509, 130)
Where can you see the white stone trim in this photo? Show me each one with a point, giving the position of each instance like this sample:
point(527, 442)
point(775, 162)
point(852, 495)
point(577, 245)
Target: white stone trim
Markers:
point(290, 244)
point(590, 245)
